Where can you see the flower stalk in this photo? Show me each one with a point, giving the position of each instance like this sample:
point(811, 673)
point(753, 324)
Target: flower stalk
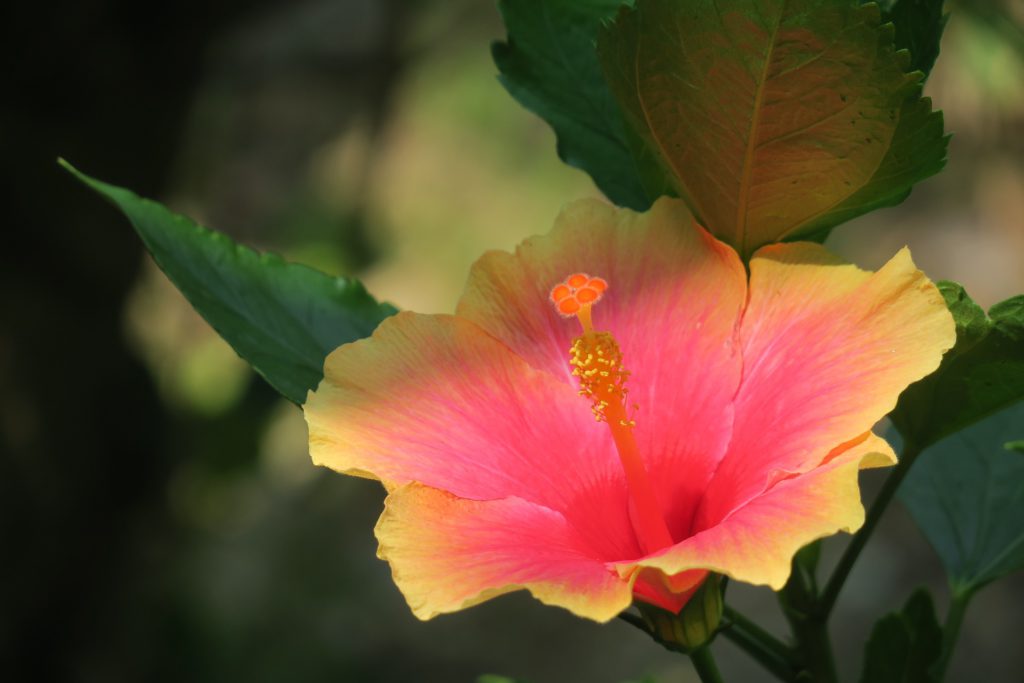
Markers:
point(799, 600)
point(827, 601)
point(775, 656)
point(705, 665)
point(961, 597)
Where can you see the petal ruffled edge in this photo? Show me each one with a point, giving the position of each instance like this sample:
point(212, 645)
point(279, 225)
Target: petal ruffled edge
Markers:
point(756, 543)
point(827, 350)
point(449, 553)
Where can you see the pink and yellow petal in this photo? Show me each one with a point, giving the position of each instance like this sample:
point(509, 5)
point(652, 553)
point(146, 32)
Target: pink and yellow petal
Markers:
point(437, 400)
point(756, 543)
point(674, 298)
point(447, 553)
point(827, 349)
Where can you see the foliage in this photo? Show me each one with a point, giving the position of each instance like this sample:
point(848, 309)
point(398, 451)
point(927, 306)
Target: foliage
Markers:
point(788, 119)
point(283, 318)
point(550, 66)
point(966, 494)
point(983, 373)
point(904, 645)
point(919, 26)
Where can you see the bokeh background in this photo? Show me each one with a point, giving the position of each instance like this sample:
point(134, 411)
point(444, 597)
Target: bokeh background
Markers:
point(160, 518)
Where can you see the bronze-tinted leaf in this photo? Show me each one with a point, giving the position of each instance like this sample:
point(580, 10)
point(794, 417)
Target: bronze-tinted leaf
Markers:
point(777, 118)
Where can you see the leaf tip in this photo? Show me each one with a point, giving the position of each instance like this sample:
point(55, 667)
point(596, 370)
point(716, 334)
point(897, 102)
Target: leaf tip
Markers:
point(67, 166)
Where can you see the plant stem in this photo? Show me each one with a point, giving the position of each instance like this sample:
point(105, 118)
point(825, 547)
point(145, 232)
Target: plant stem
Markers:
point(635, 621)
point(705, 665)
point(765, 641)
point(782, 667)
point(828, 598)
point(762, 646)
point(951, 629)
point(815, 649)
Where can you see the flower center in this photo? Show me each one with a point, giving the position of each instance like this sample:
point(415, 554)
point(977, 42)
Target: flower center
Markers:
point(596, 361)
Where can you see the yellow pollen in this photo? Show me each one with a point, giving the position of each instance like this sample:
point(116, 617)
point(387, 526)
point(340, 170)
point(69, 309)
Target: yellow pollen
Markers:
point(596, 360)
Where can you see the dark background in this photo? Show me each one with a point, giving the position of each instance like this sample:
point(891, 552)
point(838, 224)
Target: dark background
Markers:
point(160, 518)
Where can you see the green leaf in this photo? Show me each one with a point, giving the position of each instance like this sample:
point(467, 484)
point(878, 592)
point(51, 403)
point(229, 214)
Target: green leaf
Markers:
point(919, 26)
point(982, 374)
point(904, 645)
point(549, 65)
point(966, 494)
point(283, 318)
point(778, 119)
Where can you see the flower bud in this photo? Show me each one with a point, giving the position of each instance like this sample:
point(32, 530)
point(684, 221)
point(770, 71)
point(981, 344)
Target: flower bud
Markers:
point(695, 625)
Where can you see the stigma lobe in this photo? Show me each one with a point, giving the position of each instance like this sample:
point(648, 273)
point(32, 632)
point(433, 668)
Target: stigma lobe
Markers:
point(578, 290)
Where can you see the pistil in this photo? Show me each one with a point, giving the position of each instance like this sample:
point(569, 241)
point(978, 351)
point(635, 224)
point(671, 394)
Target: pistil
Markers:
point(596, 361)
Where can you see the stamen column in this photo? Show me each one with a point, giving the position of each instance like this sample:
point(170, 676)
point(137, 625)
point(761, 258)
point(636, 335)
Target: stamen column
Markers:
point(597, 361)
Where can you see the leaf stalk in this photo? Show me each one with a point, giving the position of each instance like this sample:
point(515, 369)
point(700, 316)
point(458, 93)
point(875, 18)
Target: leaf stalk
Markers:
point(827, 601)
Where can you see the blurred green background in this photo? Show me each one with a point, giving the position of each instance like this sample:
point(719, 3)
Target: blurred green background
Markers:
point(160, 517)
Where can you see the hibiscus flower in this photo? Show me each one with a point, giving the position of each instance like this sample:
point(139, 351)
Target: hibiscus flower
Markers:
point(727, 432)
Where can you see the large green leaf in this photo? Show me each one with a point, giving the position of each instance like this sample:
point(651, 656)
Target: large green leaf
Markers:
point(919, 26)
point(983, 373)
point(779, 119)
point(966, 493)
point(904, 645)
point(283, 318)
point(549, 64)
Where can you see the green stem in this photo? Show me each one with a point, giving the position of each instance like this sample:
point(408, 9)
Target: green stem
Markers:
point(765, 640)
point(828, 598)
point(762, 646)
point(951, 629)
point(798, 599)
point(783, 668)
point(815, 649)
point(705, 665)
point(635, 621)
